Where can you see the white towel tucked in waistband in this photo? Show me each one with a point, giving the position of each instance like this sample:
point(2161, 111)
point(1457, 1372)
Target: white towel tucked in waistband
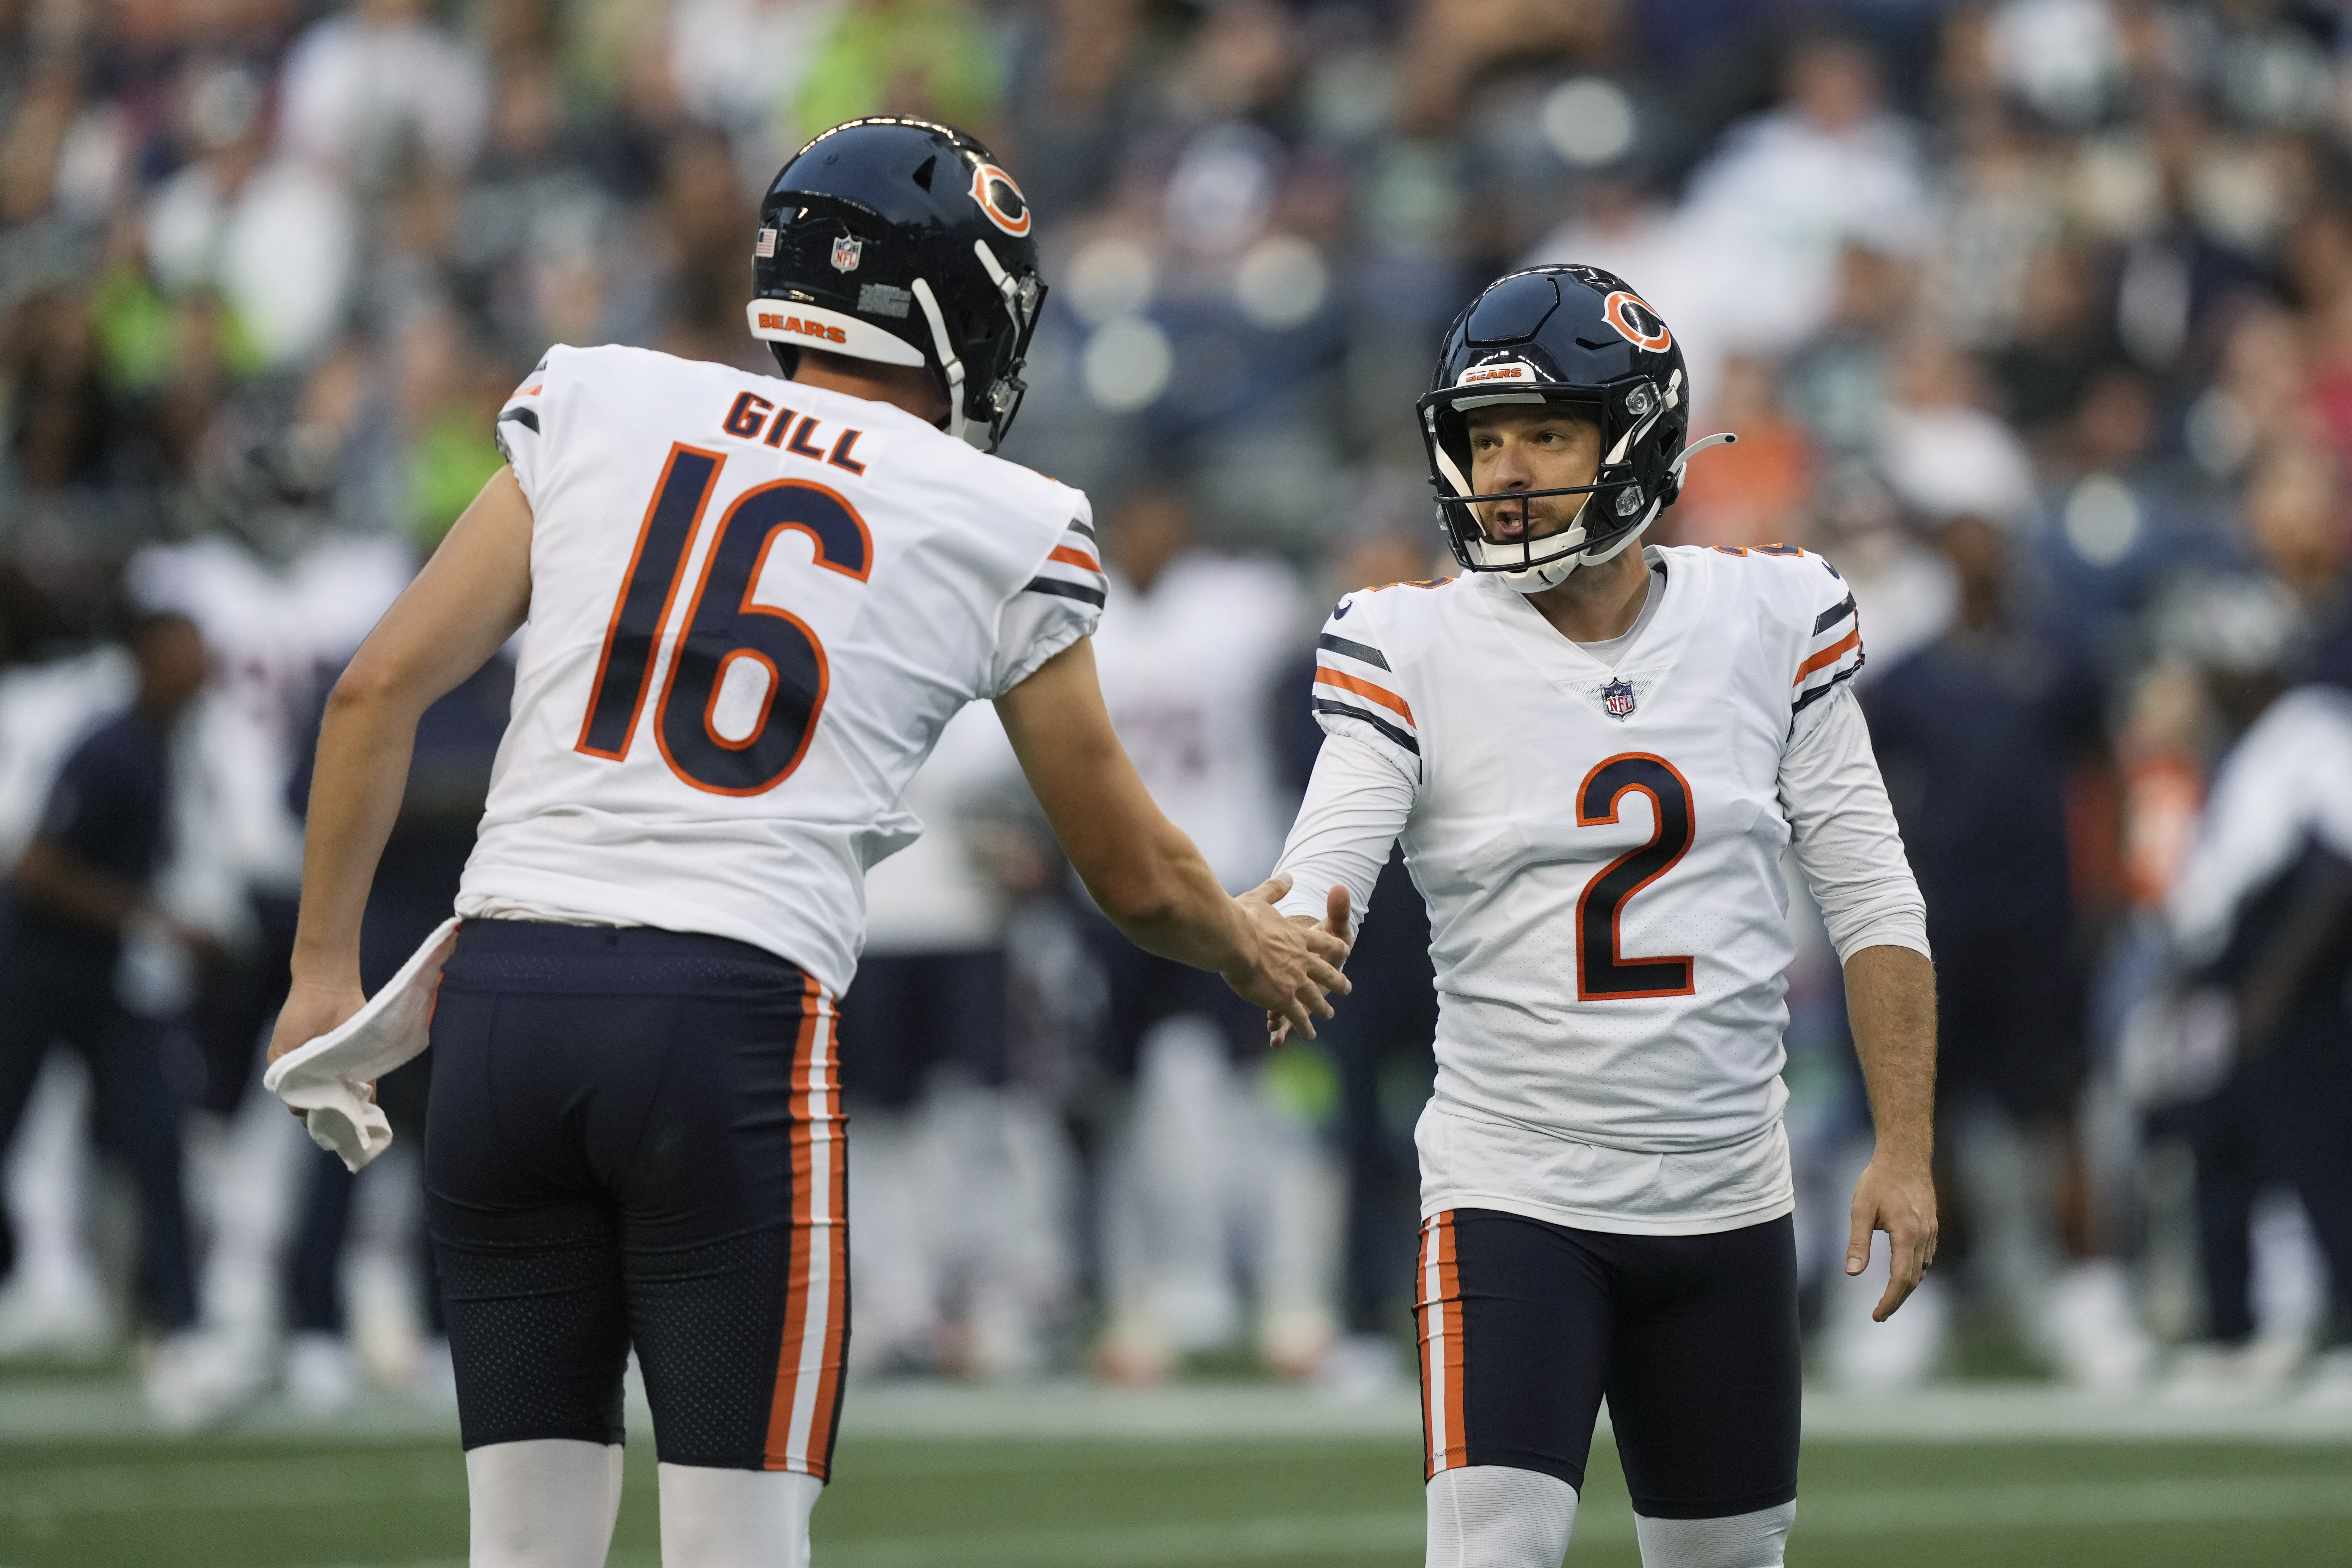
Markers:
point(328, 1079)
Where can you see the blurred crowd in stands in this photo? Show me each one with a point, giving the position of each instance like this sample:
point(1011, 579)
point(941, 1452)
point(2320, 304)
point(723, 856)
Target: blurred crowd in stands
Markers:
point(2034, 316)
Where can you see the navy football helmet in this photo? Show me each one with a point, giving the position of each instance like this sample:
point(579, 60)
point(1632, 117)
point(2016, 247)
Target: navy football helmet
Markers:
point(903, 241)
point(1573, 335)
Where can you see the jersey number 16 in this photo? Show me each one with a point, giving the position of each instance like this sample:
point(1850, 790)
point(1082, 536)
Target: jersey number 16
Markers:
point(722, 625)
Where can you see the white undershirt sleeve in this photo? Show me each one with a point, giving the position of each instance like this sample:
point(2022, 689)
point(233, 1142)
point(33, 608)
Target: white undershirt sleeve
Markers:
point(1355, 805)
point(1846, 842)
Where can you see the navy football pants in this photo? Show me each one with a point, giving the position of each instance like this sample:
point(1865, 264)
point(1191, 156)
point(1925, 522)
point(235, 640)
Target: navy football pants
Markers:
point(1525, 1325)
point(635, 1138)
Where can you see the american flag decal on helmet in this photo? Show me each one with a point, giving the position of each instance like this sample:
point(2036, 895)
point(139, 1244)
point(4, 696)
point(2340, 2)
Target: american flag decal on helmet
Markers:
point(1617, 697)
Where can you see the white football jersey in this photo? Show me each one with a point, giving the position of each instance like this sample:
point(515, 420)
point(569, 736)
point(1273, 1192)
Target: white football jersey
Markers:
point(277, 632)
point(1601, 845)
point(1187, 671)
point(936, 896)
point(754, 606)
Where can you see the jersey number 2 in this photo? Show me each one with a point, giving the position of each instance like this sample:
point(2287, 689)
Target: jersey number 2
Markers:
point(722, 625)
point(1603, 973)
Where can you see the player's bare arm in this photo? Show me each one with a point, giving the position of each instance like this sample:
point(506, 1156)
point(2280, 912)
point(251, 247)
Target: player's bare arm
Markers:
point(1141, 869)
point(1890, 997)
point(469, 600)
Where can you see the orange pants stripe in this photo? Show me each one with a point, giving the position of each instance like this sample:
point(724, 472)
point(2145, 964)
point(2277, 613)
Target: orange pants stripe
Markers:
point(1438, 1306)
point(807, 1402)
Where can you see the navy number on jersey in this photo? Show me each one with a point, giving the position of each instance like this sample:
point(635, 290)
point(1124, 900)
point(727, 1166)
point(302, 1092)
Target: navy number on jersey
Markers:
point(1603, 971)
point(723, 627)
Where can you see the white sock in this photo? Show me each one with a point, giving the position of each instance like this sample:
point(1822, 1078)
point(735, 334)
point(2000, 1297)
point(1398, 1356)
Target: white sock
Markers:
point(712, 1518)
point(546, 1503)
point(1493, 1516)
point(1737, 1541)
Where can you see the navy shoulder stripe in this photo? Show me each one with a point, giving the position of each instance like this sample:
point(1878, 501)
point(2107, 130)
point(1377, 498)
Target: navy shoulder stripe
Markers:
point(1077, 526)
point(526, 417)
point(1094, 596)
point(1832, 615)
point(1824, 688)
point(1362, 651)
point(1350, 710)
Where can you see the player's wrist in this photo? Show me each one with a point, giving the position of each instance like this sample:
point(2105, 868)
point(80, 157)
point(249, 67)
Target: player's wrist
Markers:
point(1909, 1154)
point(323, 974)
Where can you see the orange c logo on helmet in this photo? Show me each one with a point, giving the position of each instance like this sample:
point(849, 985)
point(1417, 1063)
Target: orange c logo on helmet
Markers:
point(1000, 199)
point(1643, 330)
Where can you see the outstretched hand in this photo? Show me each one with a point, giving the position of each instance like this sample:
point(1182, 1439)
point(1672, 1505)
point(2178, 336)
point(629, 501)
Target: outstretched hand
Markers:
point(1334, 924)
point(1898, 1196)
point(1292, 965)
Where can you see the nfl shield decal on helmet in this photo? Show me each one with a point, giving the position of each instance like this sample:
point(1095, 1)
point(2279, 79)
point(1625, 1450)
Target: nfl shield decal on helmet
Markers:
point(845, 252)
point(1618, 698)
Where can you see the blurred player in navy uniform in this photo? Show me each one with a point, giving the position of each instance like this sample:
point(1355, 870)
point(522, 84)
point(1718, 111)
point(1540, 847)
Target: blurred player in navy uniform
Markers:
point(1979, 733)
point(1379, 1044)
point(2262, 917)
point(956, 1264)
point(1595, 757)
point(749, 606)
point(1204, 1171)
point(423, 861)
point(81, 886)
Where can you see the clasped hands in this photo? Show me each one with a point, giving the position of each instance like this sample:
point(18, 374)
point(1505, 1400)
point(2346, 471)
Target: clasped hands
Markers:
point(1295, 963)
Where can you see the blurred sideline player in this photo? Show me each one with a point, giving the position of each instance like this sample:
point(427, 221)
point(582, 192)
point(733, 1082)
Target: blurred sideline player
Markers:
point(2261, 924)
point(283, 600)
point(1595, 755)
point(54, 1303)
point(958, 1251)
point(82, 890)
point(392, 1325)
point(749, 606)
point(1204, 1170)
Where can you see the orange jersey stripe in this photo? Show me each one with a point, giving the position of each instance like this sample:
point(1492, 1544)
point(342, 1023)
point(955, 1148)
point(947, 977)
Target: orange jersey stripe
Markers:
point(1829, 655)
point(1326, 676)
point(1070, 555)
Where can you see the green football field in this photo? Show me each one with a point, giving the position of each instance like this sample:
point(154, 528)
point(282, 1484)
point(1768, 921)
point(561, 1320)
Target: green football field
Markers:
point(1319, 1501)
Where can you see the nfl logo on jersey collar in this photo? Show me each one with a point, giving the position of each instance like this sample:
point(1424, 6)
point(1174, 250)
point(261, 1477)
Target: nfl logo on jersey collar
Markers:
point(846, 249)
point(1617, 697)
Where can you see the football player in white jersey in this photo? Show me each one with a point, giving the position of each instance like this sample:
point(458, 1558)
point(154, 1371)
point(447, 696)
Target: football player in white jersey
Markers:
point(748, 607)
point(1594, 755)
point(1203, 1171)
